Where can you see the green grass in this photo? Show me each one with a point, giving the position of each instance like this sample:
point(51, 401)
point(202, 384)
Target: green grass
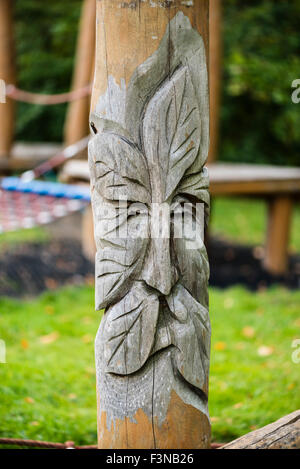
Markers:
point(48, 382)
point(245, 221)
point(31, 235)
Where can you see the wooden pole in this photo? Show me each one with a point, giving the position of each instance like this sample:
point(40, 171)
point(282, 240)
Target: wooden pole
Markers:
point(278, 232)
point(7, 73)
point(150, 117)
point(77, 123)
point(215, 73)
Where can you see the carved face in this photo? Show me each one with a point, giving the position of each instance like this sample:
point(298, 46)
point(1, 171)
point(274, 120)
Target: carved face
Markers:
point(152, 283)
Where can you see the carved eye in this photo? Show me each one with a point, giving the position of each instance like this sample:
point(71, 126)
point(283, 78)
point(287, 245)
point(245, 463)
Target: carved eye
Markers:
point(93, 127)
point(187, 218)
point(182, 204)
point(136, 208)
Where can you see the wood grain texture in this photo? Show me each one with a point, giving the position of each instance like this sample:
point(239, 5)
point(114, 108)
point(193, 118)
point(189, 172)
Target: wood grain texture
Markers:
point(151, 126)
point(282, 434)
point(184, 427)
point(7, 73)
point(128, 32)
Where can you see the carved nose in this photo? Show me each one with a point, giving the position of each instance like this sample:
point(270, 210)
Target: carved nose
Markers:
point(158, 272)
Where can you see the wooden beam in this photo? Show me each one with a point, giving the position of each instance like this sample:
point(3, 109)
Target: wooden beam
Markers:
point(77, 120)
point(279, 222)
point(25, 156)
point(253, 180)
point(215, 74)
point(282, 434)
point(7, 73)
point(87, 235)
point(150, 117)
point(262, 189)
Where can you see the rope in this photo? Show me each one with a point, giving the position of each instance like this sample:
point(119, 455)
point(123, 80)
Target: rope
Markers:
point(46, 99)
point(66, 445)
point(68, 152)
point(43, 444)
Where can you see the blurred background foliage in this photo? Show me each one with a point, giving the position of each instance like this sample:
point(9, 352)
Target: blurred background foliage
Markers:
point(45, 35)
point(259, 123)
point(261, 59)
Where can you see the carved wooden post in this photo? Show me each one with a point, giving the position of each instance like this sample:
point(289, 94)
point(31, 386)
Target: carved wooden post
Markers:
point(7, 73)
point(76, 125)
point(151, 124)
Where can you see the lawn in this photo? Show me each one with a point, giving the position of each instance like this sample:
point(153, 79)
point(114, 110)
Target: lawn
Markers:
point(244, 221)
point(48, 382)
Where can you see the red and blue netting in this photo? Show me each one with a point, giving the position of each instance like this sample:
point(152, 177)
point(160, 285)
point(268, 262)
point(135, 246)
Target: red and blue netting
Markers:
point(28, 204)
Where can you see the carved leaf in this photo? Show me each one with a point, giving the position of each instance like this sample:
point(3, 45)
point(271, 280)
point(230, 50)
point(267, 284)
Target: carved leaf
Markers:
point(118, 169)
point(190, 333)
point(121, 241)
point(196, 184)
point(130, 331)
point(171, 133)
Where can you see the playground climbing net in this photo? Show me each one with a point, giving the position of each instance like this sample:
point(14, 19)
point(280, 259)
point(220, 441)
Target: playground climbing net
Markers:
point(26, 202)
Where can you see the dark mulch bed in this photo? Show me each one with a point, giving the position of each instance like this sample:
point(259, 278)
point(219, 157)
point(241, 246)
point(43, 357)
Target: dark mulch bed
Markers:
point(31, 268)
point(233, 264)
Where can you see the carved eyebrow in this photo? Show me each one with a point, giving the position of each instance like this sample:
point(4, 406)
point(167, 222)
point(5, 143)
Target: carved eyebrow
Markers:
point(108, 243)
point(107, 259)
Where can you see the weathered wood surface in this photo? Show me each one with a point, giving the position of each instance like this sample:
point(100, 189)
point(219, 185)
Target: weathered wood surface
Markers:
point(7, 73)
point(282, 434)
point(151, 124)
point(76, 124)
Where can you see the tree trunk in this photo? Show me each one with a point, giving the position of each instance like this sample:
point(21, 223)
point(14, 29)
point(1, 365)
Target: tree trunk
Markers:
point(282, 434)
point(150, 117)
point(77, 119)
point(7, 73)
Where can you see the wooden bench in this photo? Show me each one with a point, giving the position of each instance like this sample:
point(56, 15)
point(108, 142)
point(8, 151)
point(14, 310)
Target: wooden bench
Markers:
point(279, 186)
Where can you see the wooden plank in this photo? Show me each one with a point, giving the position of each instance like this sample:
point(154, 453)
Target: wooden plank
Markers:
point(7, 73)
point(215, 74)
point(247, 179)
point(77, 119)
point(232, 172)
point(87, 235)
point(282, 434)
point(261, 189)
point(235, 180)
point(150, 94)
point(28, 155)
point(279, 223)
point(75, 170)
